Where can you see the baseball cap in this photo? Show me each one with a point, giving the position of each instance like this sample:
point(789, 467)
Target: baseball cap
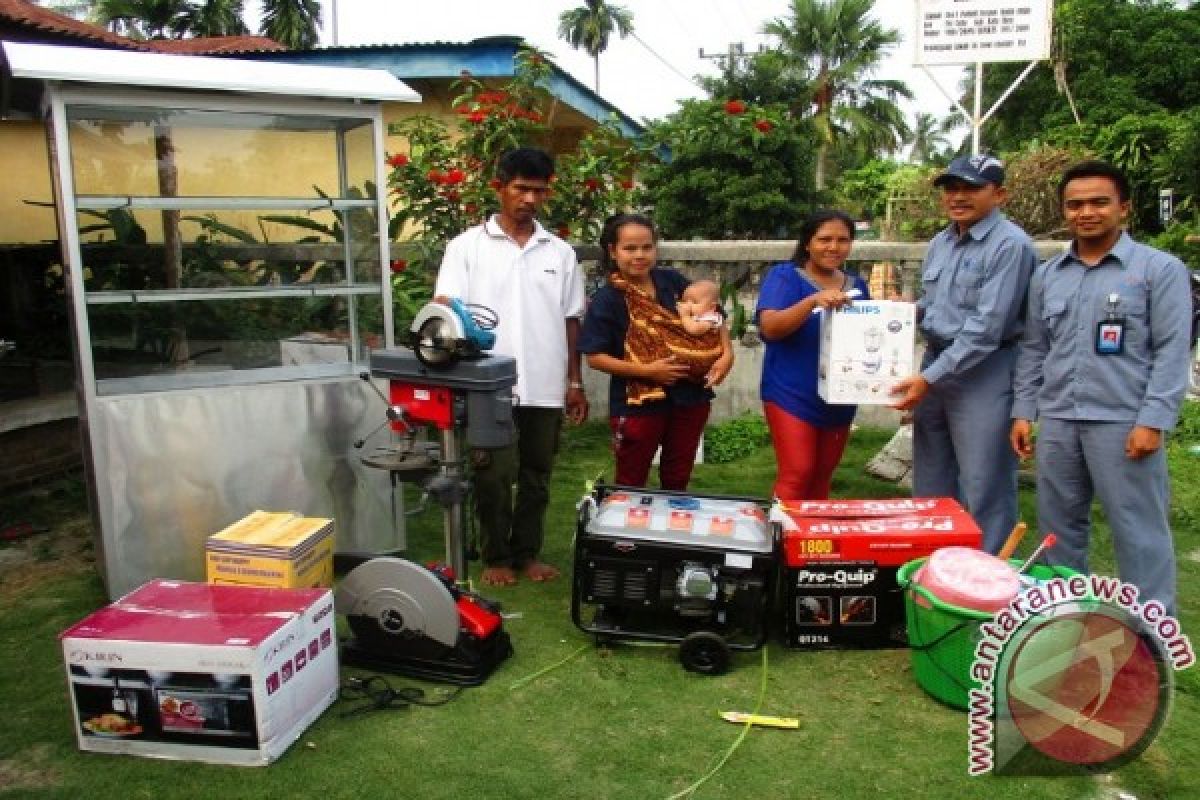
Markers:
point(976, 170)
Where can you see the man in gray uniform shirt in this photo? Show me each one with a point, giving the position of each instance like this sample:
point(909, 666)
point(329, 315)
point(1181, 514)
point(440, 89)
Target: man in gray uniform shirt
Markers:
point(1103, 367)
point(975, 275)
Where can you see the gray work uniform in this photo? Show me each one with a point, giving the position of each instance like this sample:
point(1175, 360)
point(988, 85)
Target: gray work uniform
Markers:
point(1088, 402)
point(971, 316)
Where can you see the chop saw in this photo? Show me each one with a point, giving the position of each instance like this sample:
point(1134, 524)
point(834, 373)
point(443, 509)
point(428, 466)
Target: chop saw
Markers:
point(415, 620)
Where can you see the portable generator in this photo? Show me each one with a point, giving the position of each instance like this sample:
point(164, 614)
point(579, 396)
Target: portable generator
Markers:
point(671, 567)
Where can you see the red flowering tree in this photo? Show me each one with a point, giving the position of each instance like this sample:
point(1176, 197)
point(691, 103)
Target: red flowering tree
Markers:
point(444, 183)
point(736, 170)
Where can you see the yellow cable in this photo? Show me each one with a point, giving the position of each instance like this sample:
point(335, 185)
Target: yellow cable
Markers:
point(530, 678)
point(762, 693)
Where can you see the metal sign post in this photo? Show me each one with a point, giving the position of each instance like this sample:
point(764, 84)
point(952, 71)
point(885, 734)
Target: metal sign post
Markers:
point(959, 32)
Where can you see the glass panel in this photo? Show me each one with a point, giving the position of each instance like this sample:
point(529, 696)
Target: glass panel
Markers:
point(140, 339)
point(360, 155)
point(368, 310)
point(124, 250)
point(187, 153)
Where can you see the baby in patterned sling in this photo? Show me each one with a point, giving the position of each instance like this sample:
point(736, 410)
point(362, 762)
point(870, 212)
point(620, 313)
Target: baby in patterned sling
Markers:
point(700, 308)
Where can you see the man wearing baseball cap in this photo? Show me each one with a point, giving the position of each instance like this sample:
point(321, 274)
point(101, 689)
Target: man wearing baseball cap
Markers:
point(974, 278)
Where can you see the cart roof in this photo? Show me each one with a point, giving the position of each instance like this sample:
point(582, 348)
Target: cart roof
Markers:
point(170, 71)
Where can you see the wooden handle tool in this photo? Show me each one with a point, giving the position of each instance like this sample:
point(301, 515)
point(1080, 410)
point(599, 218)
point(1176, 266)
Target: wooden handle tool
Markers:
point(1014, 539)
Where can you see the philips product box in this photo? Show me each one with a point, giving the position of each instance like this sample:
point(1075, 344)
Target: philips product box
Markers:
point(267, 548)
point(840, 559)
point(866, 348)
point(198, 672)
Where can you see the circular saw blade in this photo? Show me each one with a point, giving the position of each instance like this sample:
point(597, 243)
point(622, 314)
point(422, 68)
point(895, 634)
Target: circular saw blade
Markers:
point(401, 597)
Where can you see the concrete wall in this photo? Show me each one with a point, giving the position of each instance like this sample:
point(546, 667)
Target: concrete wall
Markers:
point(40, 440)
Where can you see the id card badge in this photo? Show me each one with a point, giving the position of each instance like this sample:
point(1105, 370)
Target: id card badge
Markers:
point(1110, 331)
point(1110, 337)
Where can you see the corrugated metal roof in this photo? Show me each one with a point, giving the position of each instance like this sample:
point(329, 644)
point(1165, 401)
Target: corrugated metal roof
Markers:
point(487, 57)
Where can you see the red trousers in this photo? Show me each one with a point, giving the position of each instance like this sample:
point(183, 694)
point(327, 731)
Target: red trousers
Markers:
point(806, 455)
point(637, 438)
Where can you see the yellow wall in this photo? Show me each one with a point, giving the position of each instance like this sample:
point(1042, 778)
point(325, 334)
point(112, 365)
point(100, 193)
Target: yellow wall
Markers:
point(26, 170)
point(118, 159)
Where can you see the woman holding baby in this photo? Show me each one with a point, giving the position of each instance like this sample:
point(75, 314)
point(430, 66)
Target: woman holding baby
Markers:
point(809, 435)
point(662, 372)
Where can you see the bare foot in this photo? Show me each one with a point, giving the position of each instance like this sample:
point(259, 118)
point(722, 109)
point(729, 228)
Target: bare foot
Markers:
point(537, 571)
point(499, 576)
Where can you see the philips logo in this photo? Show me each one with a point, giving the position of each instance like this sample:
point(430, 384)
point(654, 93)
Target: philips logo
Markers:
point(860, 309)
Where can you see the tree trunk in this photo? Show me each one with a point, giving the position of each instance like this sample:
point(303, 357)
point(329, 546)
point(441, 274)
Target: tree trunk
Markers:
point(822, 170)
point(168, 186)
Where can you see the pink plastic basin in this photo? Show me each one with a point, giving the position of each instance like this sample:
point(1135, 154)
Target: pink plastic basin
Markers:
point(969, 578)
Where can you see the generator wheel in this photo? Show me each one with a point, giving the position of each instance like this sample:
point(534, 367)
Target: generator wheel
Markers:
point(704, 652)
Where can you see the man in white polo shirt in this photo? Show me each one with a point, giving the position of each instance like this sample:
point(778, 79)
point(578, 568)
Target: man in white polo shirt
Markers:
point(531, 279)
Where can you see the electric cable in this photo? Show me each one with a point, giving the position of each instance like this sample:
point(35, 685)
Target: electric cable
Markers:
point(517, 684)
point(666, 63)
point(379, 695)
point(762, 694)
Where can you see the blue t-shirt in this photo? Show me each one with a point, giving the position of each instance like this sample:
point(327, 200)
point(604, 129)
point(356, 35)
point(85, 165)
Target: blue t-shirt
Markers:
point(604, 329)
point(789, 376)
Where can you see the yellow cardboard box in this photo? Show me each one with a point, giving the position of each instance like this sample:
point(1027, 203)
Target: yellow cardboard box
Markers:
point(272, 548)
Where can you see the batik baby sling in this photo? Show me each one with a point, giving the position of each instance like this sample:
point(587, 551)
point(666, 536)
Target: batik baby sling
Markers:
point(655, 333)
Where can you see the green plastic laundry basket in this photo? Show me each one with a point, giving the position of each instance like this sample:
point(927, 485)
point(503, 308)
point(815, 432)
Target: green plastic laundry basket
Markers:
point(943, 636)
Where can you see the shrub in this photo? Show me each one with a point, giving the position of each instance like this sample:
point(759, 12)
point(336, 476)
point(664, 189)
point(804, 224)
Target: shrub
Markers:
point(735, 438)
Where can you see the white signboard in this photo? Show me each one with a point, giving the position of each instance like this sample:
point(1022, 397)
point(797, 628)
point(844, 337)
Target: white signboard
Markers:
point(971, 31)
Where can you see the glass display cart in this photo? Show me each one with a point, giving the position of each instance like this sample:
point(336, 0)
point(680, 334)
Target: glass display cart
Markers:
point(224, 242)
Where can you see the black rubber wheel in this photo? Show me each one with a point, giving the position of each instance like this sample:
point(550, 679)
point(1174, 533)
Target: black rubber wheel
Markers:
point(704, 652)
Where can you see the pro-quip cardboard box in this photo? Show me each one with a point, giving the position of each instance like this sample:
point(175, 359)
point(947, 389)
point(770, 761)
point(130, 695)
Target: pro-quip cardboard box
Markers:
point(866, 348)
point(193, 671)
point(272, 548)
point(840, 559)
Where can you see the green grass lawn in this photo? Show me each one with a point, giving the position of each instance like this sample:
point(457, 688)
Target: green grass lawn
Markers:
point(619, 722)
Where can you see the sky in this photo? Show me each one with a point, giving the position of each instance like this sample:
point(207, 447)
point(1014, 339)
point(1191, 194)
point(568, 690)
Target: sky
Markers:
point(645, 77)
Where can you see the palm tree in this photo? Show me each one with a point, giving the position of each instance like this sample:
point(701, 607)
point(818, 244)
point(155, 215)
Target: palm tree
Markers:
point(216, 18)
point(589, 26)
point(170, 19)
point(852, 112)
point(293, 23)
point(142, 19)
point(928, 138)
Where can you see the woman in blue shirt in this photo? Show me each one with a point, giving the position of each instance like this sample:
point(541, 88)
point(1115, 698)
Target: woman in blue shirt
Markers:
point(809, 434)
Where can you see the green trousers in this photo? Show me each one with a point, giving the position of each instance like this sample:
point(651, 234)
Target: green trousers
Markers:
point(512, 529)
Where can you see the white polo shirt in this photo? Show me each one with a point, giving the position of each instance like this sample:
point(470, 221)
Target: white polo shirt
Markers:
point(533, 290)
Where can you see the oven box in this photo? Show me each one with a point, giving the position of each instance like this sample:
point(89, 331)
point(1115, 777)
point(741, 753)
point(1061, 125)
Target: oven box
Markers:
point(866, 348)
point(199, 672)
point(272, 548)
point(840, 559)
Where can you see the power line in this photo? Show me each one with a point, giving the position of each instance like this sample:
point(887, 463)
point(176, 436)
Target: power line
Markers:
point(721, 14)
point(681, 21)
point(665, 63)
